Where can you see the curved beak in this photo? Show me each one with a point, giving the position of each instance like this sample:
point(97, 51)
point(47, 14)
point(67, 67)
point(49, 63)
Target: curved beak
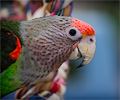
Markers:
point(84, 50)
point(87, 52)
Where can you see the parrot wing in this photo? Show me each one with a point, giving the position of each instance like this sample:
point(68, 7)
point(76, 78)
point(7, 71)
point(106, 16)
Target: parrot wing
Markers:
point(10, 56)
point(10, 48)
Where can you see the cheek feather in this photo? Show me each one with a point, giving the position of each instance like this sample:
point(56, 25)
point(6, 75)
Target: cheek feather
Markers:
point(83, 27)
point(75, 45)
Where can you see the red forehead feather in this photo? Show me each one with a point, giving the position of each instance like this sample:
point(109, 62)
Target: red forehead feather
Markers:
point(83, 27)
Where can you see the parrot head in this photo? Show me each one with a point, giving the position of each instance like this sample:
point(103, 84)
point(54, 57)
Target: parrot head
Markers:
point(52, 40)
point(85, 48)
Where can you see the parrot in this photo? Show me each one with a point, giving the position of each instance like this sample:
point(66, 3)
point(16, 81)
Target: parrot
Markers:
point(42, 45)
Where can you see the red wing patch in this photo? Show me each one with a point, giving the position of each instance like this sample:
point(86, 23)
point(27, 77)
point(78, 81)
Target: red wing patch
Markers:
point(15, 53)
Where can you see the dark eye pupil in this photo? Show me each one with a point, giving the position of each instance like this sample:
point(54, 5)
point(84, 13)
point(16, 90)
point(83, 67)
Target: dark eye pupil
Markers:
point(72, 32)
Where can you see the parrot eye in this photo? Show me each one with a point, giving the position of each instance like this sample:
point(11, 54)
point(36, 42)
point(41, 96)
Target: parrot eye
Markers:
point(73, 33)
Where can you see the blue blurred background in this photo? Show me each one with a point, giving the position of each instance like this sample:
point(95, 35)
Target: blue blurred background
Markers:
point(99, 79)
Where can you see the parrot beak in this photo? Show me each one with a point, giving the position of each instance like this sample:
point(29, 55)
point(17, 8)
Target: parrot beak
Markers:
point(87, 51)
point(84, 49)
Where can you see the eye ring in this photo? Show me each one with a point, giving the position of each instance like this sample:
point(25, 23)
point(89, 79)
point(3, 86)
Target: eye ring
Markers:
point(72, 32)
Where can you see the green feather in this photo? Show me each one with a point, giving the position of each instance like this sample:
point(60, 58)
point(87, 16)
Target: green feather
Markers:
point(10, 78)
point(8, 43)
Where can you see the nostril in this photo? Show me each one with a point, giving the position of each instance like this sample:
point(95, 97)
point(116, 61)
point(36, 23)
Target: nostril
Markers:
point(91, 40)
